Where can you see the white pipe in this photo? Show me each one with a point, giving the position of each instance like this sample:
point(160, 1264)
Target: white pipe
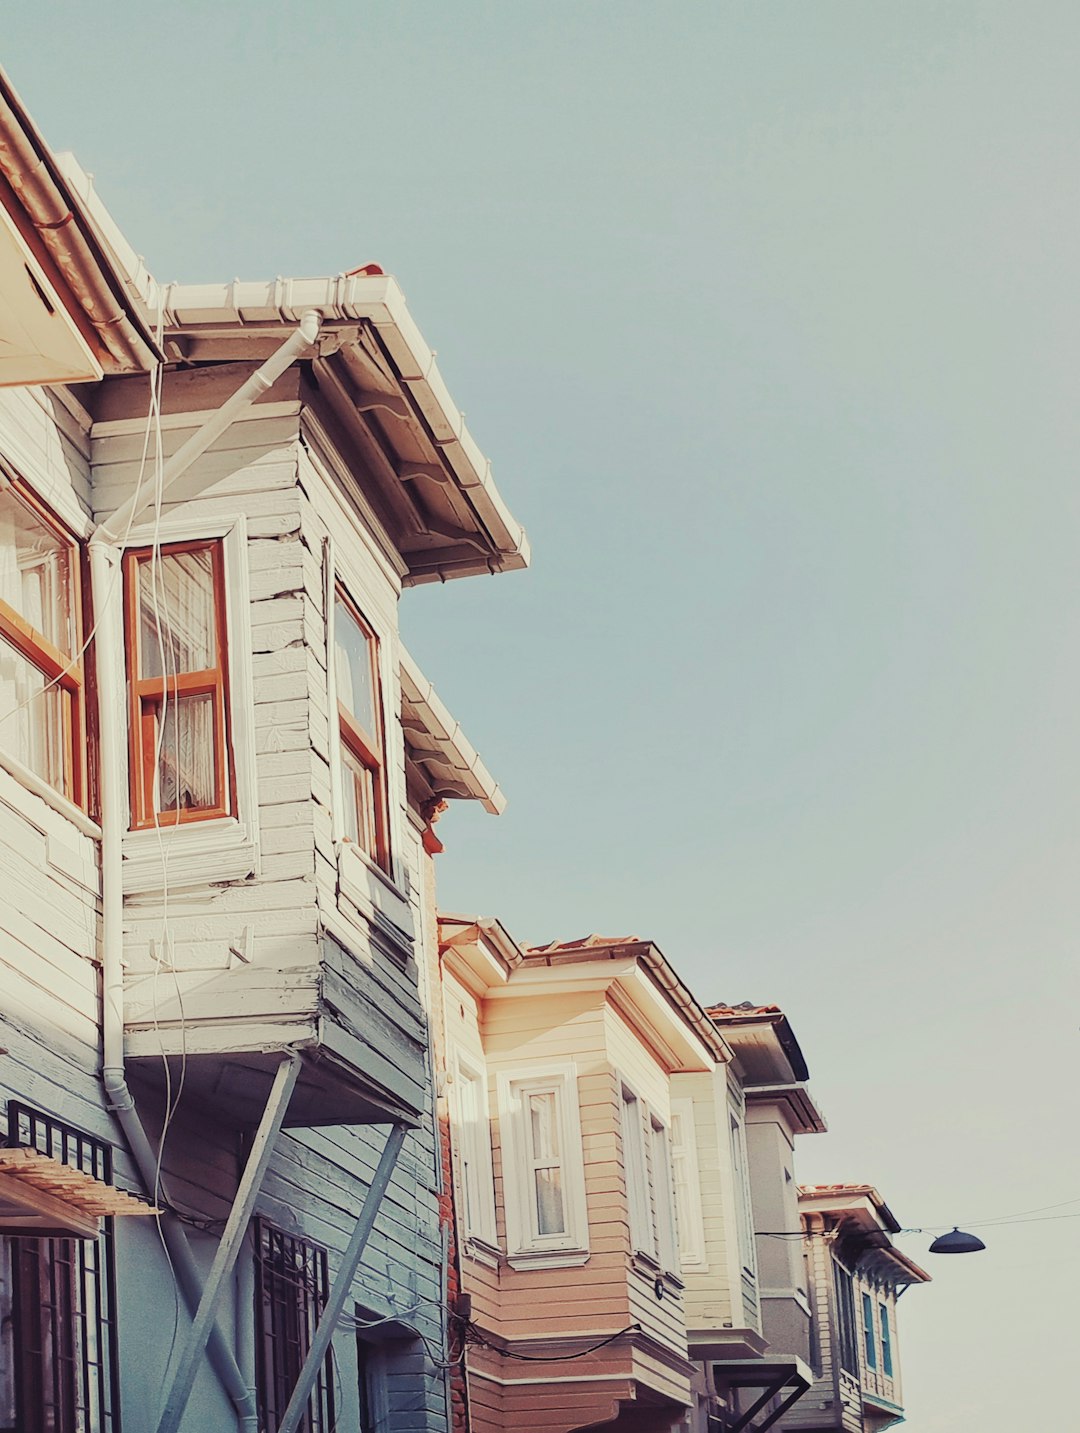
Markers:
point(262, 379)
point(104, 564)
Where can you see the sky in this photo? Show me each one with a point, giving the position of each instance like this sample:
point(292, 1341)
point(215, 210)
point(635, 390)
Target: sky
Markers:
point(768, 316)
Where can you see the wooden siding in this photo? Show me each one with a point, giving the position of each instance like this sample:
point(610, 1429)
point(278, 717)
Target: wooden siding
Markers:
point(261, 944)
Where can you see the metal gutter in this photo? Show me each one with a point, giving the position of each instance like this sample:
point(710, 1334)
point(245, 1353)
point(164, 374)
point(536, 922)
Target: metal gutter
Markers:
point(56, 213)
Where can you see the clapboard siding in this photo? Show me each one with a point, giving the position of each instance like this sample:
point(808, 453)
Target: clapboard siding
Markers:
point(259, 948)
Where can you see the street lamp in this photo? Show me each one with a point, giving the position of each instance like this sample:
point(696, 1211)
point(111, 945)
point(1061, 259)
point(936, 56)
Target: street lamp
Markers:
point(956, 1242)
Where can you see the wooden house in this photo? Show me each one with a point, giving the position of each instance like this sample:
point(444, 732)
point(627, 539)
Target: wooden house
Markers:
point(218, 769)
point(571, 1173)
point(855, 1273)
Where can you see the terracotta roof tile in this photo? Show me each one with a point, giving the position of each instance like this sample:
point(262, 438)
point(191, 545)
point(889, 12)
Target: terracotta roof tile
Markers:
point(746, 1008)
point(584, 943)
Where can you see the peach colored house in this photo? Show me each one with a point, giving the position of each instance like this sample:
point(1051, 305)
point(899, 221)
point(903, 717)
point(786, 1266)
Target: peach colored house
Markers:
point(558, 1065)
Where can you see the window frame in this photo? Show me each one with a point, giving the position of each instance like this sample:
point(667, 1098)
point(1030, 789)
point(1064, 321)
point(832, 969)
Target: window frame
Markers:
point(744, 1209)
point(471, 1146)
point(366, 748)
point(636, 1172)
point(846, 1333)
point(689, 1217)
point(887, 1365)
point(66, 672)
point(157, 692)
point(662, 1186)
point(526, 1247)
point(869, 1331)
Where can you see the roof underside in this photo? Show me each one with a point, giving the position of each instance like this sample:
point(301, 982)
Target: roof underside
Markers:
point(377, 394)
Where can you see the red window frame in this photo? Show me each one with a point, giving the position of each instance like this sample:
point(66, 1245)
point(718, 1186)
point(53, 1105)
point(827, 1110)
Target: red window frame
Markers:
point(146, 695)
point(367, 749)
point(65, 671)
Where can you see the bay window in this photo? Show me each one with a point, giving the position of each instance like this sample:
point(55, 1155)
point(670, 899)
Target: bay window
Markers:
point(175, 631)
point(363, 774)
point(42, 680)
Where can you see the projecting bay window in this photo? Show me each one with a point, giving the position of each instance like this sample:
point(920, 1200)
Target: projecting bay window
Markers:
point(180, 768)
point(42, 683)
point(543, 1169)
point(362, 755)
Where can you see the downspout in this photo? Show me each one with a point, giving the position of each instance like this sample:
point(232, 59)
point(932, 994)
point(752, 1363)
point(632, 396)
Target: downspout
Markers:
point(109, 659)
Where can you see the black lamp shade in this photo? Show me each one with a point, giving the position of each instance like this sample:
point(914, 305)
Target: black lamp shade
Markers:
point(957, 1242)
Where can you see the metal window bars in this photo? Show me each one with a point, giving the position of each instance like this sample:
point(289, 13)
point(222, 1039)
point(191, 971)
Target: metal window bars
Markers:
point(64, 1366)
point(292, 1284)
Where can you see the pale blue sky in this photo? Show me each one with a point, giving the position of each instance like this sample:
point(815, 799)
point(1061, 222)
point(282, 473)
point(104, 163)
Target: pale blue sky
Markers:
point(769, 318)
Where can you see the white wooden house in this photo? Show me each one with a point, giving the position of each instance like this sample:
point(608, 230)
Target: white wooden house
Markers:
point(218, 768)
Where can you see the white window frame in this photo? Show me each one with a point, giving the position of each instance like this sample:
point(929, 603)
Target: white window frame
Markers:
point(361, 879)
point(663, 1195)
point(740, 1174)
point(227, 847)
point(636, 1171)
point(687, 1182)
point(471, 1144)
point(526, 1247)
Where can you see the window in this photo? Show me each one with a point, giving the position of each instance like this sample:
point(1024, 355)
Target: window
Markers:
point(42, 683)
point(543, 1169)
point(740, 1177)
point(174, 609)
point(684, 1173)
point(663, 1197)
point(291, 1287)
point(363, 782)
point(58, 1370)
point(869, 1339)
point(637, 1181)
point(845, 1318)
point(886, 1341)
point(472, 1149)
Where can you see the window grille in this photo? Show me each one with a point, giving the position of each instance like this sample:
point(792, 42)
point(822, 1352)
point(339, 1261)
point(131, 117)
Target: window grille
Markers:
point(59, 1371)
point(292, 1283)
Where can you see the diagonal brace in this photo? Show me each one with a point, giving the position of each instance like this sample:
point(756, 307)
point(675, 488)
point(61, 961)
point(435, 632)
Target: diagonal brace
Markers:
point(262, 1147)
point(335, 1304)
point(771, 1390)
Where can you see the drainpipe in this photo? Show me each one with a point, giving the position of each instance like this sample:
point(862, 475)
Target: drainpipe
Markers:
point(109, 660)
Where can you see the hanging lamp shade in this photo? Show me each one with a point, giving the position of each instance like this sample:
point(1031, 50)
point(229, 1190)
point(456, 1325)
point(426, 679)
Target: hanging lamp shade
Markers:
point(956, 1242)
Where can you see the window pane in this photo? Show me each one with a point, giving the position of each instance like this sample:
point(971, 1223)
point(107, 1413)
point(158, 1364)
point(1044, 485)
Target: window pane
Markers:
point(35, 572)
point(176, 614)
point(31, 717)
point(353, 667)
point(358, 790)
point(543, 1129)
point(186, 780)
point(550, 1218)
